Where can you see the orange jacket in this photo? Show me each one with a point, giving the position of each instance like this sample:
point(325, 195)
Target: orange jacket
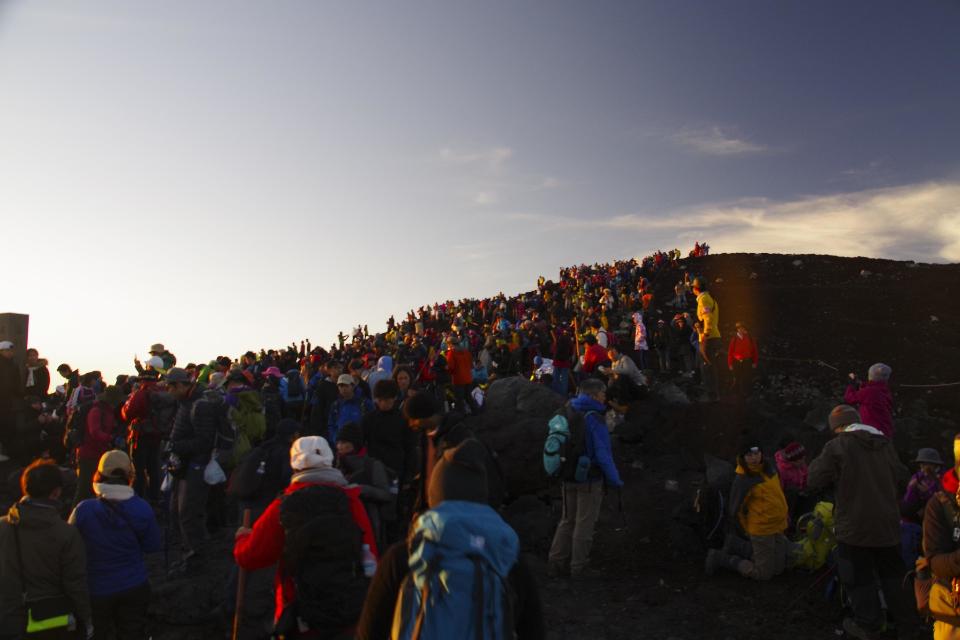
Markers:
point(460, 365)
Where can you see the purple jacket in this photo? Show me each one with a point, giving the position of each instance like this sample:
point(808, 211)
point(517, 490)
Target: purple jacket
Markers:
point(875, 403)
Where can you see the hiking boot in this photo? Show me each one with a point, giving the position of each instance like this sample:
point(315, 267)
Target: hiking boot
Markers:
point(555, 570)
point(854, 630)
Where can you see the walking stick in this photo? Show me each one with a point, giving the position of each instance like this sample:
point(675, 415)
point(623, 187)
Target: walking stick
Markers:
point(241, 587)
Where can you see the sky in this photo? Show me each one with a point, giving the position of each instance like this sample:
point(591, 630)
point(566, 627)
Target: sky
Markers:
point(219, 176)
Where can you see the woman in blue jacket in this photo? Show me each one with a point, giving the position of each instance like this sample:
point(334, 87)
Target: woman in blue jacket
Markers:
point(117, 529)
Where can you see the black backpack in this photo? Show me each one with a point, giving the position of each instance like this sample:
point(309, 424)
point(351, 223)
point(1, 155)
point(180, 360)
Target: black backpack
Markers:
point(323, 554)
point(76, 428)
point(162, 408)
point(295, 389)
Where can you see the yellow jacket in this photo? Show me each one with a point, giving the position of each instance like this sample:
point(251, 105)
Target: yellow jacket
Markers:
point(708, 313)
point(764, 509)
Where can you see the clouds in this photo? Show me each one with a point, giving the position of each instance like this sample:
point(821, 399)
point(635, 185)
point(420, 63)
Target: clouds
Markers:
point(490, 159)
point(912, 222)
point(485, 177)
point(715, 141)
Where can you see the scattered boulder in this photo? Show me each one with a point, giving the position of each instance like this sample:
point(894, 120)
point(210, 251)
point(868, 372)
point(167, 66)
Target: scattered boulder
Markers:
point(670, 394)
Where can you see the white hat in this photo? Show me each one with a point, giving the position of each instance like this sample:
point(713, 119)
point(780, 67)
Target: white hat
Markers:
point(310, 452)
point(6, 345)
point(154, 362)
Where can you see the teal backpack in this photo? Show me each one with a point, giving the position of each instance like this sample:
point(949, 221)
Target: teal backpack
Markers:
point(564, 451)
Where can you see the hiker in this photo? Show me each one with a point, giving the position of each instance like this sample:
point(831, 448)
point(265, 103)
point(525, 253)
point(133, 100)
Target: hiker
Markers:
point(322, 394)
point(101, 424)
point(680, 295)
point(711, 351)
point(149, 411)
point(593, 355)
point(190, 447)
point(349, 407)
point(11, 394)
point(384, 371)
point(862, 466)
point(36, 377)
point(640, 345)
point(940, 546)
point(293, 392)
point(270, 397)
point(661, 341)
point(873, 399)
point(315, 533)
point(168, 360)
point(118, 528)
point(742, 358)
point(376, 482)
point(622, 366)
point(681, 350)
point(756, 547)
point(922, 486)
point(403, 376)
point(460, 367)
point(458, 515)
point(42, 562)
point(570, 550)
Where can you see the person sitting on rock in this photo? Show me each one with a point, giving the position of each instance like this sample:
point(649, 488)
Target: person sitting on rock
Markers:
point(622, 366)
point(873, 400)
point(757, 508)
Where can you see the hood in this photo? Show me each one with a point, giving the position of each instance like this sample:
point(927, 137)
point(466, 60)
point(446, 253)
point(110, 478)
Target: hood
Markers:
point(385, 364)
point(320, 475)
point(584, 403)
point(866, 436)
point(35, 514)
point(637, 317)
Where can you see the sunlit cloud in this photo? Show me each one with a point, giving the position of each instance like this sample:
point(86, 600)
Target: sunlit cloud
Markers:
point(913, 222)
point(716, 141)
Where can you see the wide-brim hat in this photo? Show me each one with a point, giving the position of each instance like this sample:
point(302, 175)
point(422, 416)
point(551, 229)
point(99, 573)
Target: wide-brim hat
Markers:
point(929, 456)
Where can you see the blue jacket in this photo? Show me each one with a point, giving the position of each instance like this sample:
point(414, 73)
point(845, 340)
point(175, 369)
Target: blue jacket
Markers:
point(347, 411)
point(116, 535)
point(598, 439)
point(383, 372)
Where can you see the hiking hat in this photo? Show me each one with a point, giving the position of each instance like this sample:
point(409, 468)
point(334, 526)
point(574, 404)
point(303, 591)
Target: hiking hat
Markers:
point(843, 415)
point(156, 348)
point(794, 451)
point(154, 362)
point(346, 378)
point(113, 396)
point(273, 372)
point(929, 456)
point(6, 345)
point(352, 433)
point(879, 373)
point(115, 463)
point(749, 444)
point(420, 406)
point(310, 452)
point(176, 374)
point(460, 474)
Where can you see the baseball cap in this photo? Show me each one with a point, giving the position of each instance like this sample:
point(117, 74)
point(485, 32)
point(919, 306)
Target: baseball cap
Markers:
point(114, 463)
point(6, 345)
point(346, 378)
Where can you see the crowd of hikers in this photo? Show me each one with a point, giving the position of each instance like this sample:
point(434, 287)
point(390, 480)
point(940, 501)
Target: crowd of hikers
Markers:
point(352, 472)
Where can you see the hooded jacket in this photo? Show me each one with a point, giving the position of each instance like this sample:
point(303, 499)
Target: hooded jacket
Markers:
point(757, 506)
point(383, 372)
point(708, 313)
point(875, 404)
point(862, 465)
point(54, 562)
point(598, 440)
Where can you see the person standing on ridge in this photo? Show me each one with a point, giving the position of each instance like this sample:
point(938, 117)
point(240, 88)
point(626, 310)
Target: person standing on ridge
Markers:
point(711, 350)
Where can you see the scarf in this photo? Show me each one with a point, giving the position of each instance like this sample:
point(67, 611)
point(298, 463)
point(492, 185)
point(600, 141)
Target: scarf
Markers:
point(321, 475)
point(118, 492)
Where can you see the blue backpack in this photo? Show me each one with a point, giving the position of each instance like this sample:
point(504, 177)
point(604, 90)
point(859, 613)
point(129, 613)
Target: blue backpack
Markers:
point(564, 450)
point(460, 556)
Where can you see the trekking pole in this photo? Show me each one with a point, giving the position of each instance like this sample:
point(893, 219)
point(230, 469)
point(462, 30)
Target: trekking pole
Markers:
point(241, 586)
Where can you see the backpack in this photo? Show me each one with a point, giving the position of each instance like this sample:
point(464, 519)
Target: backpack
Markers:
point(817, 537)
point(76, 427)
point(564, 451)
point(295, 389)
point(936, 598)
point(461, 554)
point(162, 408)
point(564, 350)
point(323, 554)
point(249, 425)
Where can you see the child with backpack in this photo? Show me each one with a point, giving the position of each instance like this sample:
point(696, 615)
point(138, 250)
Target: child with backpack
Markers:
point(320, 537)
point(488, 591)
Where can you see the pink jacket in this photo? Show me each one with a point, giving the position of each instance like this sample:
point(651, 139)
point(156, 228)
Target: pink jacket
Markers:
point(875, 404)
point(793, 475)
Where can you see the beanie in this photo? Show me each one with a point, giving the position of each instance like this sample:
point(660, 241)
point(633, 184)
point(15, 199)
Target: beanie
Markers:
point(287, 427)
point(794, 451)
point(420, 406)
point(310, 452)
point(352, 433)
point(843, 415)
point(749, 443)
point(460, 474)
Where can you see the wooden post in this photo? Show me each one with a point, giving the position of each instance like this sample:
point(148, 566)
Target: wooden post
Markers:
point(241, 587)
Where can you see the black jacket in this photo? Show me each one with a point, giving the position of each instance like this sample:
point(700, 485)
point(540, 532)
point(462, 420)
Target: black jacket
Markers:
point(376, 619)
point(194, 428)
point(11, 384)
point(389, 440)
point(41, 383)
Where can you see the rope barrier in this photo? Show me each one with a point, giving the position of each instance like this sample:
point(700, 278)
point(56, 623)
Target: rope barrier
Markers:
point(929, 386)
point(828, 366)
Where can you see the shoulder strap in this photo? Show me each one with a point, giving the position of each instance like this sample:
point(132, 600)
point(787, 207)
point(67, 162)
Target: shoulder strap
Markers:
point(117, 510)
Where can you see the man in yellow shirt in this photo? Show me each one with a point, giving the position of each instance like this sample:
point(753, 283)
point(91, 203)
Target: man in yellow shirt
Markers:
point(711, 348)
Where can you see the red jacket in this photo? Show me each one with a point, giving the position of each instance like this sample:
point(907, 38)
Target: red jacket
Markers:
point(742, 349)
point(137, 410)
point(264, 546)
point(100, 427)
point(875, 404)
point(593, 356)
point(460, 365)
